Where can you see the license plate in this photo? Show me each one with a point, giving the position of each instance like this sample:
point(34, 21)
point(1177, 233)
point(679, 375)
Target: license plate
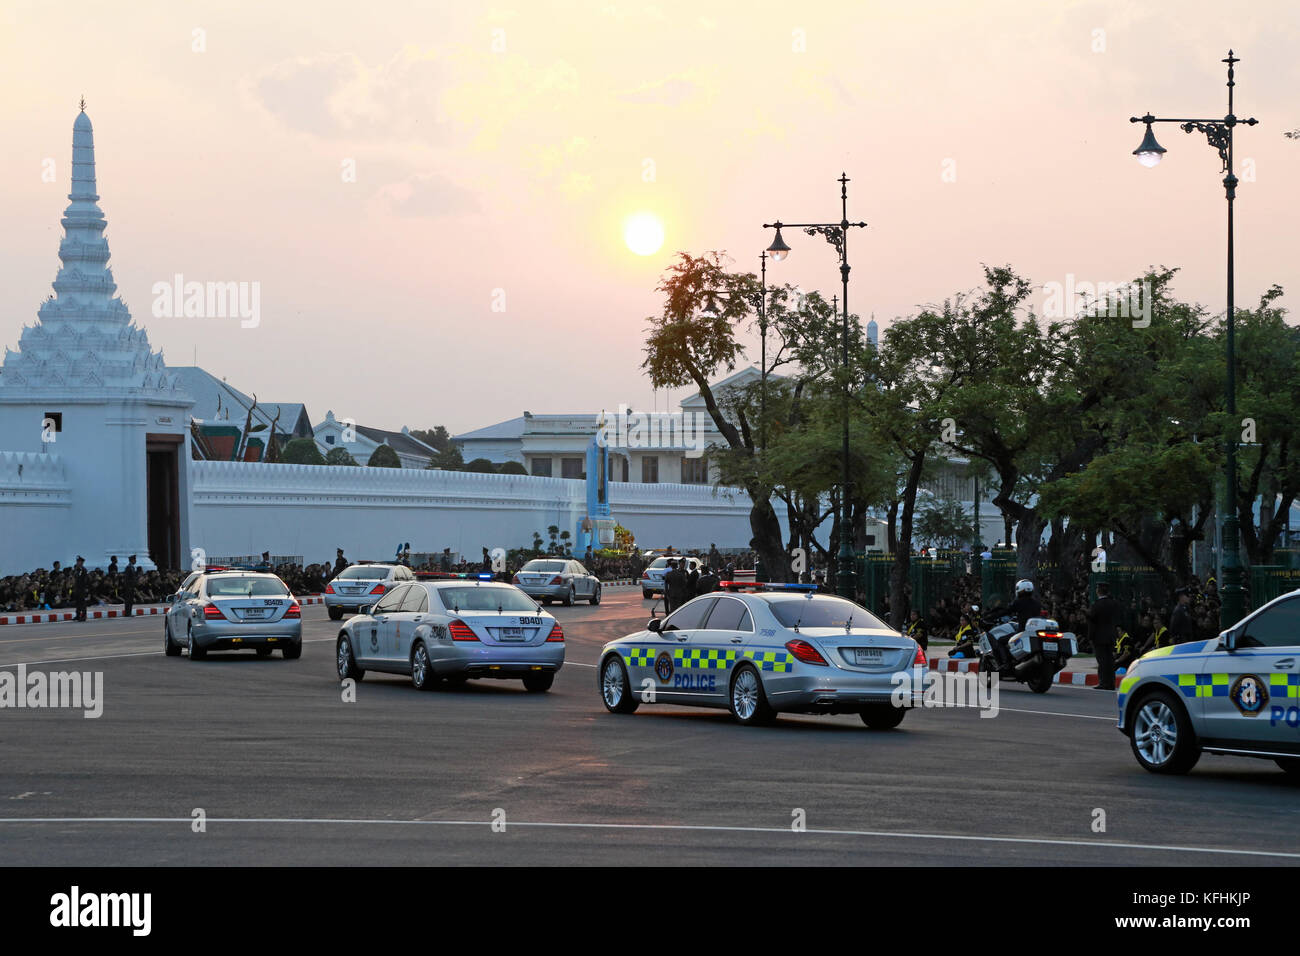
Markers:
point(512, 633)
point(1050, 646)
point(869, 655)
point(255, 612)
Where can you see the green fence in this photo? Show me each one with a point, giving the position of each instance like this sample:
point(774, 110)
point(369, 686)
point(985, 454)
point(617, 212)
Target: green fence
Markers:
point(931, 579)
point(1268, 581)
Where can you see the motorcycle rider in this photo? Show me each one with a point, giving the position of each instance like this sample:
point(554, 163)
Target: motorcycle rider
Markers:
point(1022, 609)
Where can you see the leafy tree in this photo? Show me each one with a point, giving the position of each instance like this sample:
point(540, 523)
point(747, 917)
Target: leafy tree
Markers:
point(481, 466)
point(384, 457)
point(944, 522)
point(512, 468)
point(302, 451)
point(449, 460)
point(340, 456)
point(438, 437)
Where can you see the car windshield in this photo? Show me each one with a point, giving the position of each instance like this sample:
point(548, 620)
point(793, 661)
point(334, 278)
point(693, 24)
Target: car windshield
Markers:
point(486, 599)
point(242, 586)
point(370, 572)
point(551, 566)
point(822, 610)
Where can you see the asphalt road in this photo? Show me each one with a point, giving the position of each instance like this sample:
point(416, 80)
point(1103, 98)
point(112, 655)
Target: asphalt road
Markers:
point(286, 772)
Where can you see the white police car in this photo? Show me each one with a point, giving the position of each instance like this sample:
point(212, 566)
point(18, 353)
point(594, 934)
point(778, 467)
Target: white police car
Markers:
point(1236, 694)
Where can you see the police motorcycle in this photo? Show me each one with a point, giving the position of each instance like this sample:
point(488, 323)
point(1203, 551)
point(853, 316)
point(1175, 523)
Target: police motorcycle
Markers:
point(1033, 656)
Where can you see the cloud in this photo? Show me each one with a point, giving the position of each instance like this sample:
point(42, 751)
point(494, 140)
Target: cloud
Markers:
point(337, 95)
point(426, 196)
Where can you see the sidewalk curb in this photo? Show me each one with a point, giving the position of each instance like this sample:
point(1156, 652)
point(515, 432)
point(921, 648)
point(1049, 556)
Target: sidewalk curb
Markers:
point(52, 617)
point(1077, 678)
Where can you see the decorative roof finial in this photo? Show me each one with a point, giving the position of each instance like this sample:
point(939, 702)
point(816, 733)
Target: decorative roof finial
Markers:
point(83, 102)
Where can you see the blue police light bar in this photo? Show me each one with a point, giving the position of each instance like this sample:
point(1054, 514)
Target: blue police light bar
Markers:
point(765, 586)
point(774, 586)
point(485, 576)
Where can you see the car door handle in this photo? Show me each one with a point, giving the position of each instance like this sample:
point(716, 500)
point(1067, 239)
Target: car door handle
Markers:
point(1285, 663)
point(418, 617)
point(737, 640)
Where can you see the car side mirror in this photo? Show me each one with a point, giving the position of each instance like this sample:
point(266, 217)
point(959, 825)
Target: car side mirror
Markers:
point(364, 609)
point(653, 625)
point(1228, 640)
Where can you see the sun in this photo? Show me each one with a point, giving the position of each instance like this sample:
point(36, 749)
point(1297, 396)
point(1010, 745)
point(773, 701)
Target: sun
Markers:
point(643, 233)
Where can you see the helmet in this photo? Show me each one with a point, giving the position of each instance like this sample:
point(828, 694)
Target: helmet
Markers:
point(1025, 586)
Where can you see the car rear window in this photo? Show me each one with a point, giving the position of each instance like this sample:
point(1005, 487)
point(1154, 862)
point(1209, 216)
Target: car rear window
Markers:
point(370, 572)
point(486, 599)
point(240, 586)
point(550, 566)
point(822, 610)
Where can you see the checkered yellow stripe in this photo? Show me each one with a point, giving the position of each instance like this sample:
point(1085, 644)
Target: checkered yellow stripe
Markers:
point(1284, 685)
point(700, 658)
point(777, 661)
point(1203, 685)
point(641, 656)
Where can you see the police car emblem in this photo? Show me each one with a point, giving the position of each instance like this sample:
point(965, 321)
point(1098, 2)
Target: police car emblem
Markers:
point(664, 666)
point(1250, 695)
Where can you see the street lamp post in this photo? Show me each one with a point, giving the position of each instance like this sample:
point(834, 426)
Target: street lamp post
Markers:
point(1219, 134)
point(837, 234)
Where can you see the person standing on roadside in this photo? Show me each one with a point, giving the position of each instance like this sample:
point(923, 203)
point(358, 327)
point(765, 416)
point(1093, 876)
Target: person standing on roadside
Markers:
point(674, 588)
point(80, 588)
point(128, 585)
point(1103, 630)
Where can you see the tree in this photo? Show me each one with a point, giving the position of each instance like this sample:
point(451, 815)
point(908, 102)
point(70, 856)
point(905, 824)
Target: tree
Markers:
point(340, 456)
point(437, 436)
point(384, 457)
point(481, 466)
point(449, 460)
point(512, 468)
point(944, 522)
point(302, 451)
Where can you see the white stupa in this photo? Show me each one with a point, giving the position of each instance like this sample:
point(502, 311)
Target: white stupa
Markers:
point(86, 403)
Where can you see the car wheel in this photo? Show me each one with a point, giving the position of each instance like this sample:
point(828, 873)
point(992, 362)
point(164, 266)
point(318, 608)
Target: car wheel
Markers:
point(170, 648)
point(595, 595)
point(615, 688)
point(347, 661)
point(1290, 764)
point(1041, 682)
point(1162, 737)
point(568, 598)
point(747, 701)
point(539, 683)
point(336, 613)
point(646, 595)
point(197, 653)
point(883, 716)
point(293, 651)
point(422, 675)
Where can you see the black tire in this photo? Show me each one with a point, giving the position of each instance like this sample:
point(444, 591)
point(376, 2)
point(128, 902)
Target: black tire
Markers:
point(614, 687)
point(422, 673)
point(1041, 682)
point(538, 683)
point(1289, 764)
point(336, 613)
point(883, 716)
point(197, 653)
point(747, 701)
point(292, 651)
point(346, 661)
point(595, 595)
point(264, 651)
point(568, 598)
point(646, 595)
point(1175, 749)
point(170, 647)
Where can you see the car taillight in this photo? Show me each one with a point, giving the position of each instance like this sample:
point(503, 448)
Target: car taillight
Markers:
point(295, 610)
point(213, 613)
point(378, 589)
point(515, 579)
point(329, 589)
point(919, 660)
point(645, 575)
point(557, 580)
point(557, 633)
point(1049, 634)
point(460, 631)
point(805, 652)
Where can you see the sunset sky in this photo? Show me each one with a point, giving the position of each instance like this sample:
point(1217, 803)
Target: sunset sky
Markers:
point(499, 150)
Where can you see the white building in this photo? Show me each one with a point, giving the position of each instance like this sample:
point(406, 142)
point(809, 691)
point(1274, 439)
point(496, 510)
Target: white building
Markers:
point(362, 440)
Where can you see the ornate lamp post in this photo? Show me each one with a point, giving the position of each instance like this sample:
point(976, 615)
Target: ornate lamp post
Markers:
point(1218, 132)
point(837, 234)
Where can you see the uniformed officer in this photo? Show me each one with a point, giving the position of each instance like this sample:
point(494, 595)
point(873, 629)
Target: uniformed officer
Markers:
point(128, 585)
point(707, 582)
point(674, 588)
point(340, 562)
point(1180, 623)
point(1104, 628)
point(80, 587)
point(917, 631)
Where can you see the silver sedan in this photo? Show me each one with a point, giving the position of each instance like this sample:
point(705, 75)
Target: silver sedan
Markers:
point(456, 630)
point(784, 650)
point(233, 611)
point(558, 579)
